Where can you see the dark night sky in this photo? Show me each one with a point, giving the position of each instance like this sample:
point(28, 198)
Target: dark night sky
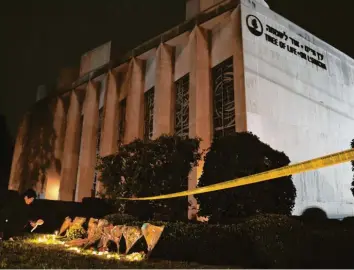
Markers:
point(40, 37)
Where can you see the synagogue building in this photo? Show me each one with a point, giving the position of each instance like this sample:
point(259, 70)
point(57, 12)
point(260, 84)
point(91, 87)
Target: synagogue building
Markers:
point(230, 66)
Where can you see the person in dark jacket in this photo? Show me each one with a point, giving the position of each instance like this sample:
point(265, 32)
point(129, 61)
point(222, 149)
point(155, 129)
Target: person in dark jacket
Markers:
point(16, 214)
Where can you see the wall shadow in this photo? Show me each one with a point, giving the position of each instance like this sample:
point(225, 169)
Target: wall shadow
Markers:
point(314, 214)
point(38, 149)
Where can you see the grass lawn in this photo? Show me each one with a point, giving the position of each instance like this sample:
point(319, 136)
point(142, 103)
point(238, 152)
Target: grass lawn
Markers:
point(25, 254)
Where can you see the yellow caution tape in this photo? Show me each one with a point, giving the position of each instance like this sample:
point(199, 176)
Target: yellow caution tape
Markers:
point(309, 165)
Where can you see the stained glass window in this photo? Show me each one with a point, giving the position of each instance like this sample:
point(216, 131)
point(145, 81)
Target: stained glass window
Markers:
point(121, 126)
point(149, 113)
point(182, 106)
point(223, 98)
point(99, 130)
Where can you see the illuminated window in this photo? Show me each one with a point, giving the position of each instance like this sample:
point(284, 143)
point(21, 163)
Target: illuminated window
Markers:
point(121, 125)
point(182, 106)
point(149, 113)
point(223, 98)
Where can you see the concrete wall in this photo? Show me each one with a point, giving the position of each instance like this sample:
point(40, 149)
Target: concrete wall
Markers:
point(90, 61)
point(181, 59)
point(304, 108)
point(301, 108)
point(221, 37)
point(193, 52)
point(95, 58)
point(123, 86)
point(150, 71)
point(194, 7)
point(102, 91)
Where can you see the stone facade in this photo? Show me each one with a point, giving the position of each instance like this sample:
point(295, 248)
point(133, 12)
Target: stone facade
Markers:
point(228, 74)
point(303, 107)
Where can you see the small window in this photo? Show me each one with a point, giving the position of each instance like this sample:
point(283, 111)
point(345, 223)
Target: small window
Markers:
point(121, 126)
point(149, 113)
point(182, 106)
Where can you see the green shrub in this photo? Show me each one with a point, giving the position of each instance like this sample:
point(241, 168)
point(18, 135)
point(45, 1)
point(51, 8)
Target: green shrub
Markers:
point(314, 214)
point(239, 155)
point(120, 219)
point(348, 221)
point(274, 241)
point(261, 241)
point(247, 242)
point(148, 168)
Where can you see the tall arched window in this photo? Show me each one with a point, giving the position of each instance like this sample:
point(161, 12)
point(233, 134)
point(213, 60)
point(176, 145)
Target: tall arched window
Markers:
point(223, 98)
point(182, 106)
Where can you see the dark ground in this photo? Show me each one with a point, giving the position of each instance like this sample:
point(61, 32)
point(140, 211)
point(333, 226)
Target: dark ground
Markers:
point(25, 255)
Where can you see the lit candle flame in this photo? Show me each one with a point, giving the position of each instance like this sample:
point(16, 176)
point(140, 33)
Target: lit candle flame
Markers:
point(51, 240)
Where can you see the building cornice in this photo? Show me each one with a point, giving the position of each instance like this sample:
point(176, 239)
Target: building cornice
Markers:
point(187, 25)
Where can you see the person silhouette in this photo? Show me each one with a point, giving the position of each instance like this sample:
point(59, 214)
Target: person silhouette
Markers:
point(16, 214)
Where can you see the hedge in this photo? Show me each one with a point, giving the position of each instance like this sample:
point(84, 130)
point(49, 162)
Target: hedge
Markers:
point(239, 155)
point(262, 241)
point(147, 168)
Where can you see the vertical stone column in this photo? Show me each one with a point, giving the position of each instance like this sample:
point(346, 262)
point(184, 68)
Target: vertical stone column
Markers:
point(239, 76)
point(87, 161)
point(19, 155)
point(53, 173)
point(163, 109)
point(70, 158)
point(109, 133)
point(135, 101)
point(200, 100)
